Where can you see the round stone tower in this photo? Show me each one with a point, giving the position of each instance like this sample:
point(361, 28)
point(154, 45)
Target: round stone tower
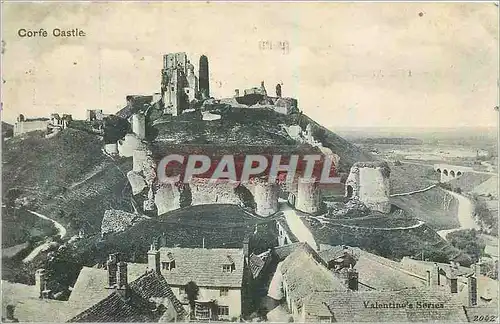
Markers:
point(265, 196)
point(139, 125)
point(308, 196)
point(369, 182)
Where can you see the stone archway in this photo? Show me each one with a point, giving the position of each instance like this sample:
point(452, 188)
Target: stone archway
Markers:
point(292, 199)
point(452, 173)
point(445, 172)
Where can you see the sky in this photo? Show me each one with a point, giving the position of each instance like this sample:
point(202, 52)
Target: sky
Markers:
point(348, 64)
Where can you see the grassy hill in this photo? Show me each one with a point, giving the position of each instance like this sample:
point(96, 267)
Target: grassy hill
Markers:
point(66, 177)
point(436, 207)
point(7, 129)
point(239, 126)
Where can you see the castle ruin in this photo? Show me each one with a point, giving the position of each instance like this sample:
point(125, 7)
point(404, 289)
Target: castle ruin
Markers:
point(369, 182)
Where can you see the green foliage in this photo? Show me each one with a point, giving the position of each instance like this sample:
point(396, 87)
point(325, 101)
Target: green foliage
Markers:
point(192, 291)
point(468, 241)
point(115, 128)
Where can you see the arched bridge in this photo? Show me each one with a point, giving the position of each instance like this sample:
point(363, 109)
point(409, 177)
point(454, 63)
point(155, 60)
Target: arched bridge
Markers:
point(449, 172)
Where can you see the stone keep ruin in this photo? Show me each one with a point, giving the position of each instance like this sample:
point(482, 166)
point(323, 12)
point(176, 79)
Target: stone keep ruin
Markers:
point(369, 182)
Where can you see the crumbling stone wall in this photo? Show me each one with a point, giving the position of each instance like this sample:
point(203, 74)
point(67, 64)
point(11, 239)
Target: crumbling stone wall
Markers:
point(139, 125)
point(369, 182)
point(117, 221)
point(167, 198)
point(130, 143)
point(218, 192)
point(136, 181)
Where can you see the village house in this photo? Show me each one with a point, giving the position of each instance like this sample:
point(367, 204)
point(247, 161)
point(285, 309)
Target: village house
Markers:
point(218, 273)
point(343, 283)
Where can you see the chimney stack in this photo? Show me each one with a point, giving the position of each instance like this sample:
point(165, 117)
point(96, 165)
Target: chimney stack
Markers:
point(9, 314)
point(352, 278)
point(112, 269)
point(435, 279)
point(472, 290)
point(121, 276)
point(154, 258)
point(41, 282)
point(236, 93)
point(453, 278)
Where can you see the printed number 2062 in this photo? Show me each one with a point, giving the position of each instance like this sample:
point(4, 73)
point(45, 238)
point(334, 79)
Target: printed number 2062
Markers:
point(487, 318)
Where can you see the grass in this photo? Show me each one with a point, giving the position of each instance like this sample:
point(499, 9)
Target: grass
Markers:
point(435, 207)
point(20, 226)
point(222, 226)
point(392, 244)
point(468, 181)
point(409, 177)
point(66, 177)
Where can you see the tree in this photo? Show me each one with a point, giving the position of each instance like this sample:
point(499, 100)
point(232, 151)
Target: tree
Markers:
point(468, 241)
point(192, 291)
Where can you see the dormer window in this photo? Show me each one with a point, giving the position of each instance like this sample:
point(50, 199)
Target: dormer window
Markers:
point(169, 264)
point(229, 266)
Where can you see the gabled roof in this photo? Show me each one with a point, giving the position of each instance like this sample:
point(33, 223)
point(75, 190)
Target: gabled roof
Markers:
point(387, 306)
point(304, 275)
point(257, 263)
point(203, 266)
point(116, 308)
point(282, 252)
point(138, 307)
point(376, 272)
point(153, 285)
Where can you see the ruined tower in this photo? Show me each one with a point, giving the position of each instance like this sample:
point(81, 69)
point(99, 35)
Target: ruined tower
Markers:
point(265, 196)
point(369, 182)
point(173, 82)
point(203, 77)
point(308, 196)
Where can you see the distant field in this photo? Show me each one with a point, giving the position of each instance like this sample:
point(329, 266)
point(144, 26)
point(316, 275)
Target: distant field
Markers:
point(409, 177)
point(468, 181)
point(20, 226)
point(435, 207)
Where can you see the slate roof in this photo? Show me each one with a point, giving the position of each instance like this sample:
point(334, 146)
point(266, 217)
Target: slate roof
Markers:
point(203, 266)
point(257, 263)
point(153, 285)
point(116, 308)
point(356, 306)
point(304, 275)
point(282, 252)
point(91, 295)
point(376, 272)
point(138, 307)
point(30, 308)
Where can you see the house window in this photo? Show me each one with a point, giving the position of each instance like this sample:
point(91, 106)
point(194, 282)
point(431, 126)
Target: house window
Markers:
point(228, 267)
point(182, 291)
point(223, 310)
point(325, 319)
point(168, 265)
point(224, 291)
point(202, 312)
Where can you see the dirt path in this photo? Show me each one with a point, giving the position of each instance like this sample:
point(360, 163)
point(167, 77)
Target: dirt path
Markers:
point(465, 215)
point(61, 232)
point(297, 227)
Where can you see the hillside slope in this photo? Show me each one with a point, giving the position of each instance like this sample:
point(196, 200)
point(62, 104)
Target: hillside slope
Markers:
point(66, 177)
point(252, 127)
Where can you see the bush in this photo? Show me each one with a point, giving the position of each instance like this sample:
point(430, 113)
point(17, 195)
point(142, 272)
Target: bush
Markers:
point(397, 163)
point(467, 241)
